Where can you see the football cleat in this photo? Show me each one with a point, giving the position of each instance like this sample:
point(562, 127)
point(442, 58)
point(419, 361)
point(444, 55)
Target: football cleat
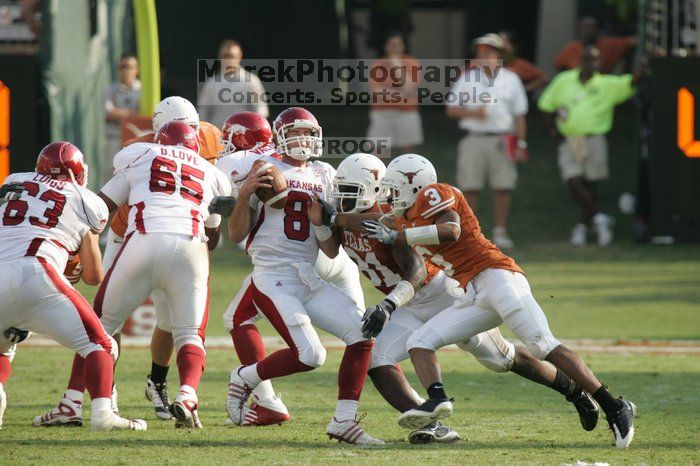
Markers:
point(588, 412)
point(3, 404)
point(114, 400)
point(349, 431)
point(67, 413)
point(622, 423)
point(114, 422)
point(184, 410)
point(434, 433)
point(604, 225)
point(157, 393)
point(426, 414)
point(578, 235)
point(265, 412)
point(239, 391)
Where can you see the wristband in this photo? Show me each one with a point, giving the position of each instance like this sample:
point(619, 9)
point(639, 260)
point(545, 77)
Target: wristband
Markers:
point(322, 232)
point(422, 235)
point(401, 294)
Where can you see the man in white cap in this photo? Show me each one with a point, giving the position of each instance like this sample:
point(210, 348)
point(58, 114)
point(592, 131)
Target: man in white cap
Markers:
point(490, 104)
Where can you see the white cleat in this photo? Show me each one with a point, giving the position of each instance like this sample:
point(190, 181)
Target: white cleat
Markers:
point(114, 422)
point(239, 391)
point(184, 410)
point(158, 395)
point(349, 431)
point(3, 404)
point(604, 225)
point(114, 400)
point(578, 235)
point(67, 413)
point(265, 412)
point(425, 414)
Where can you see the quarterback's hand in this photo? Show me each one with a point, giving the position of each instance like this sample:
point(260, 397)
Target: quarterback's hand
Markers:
point(16, 335)
point(327, 211)
point(11, 191)
point(222, 205)
point(379, 231)
point(375, 317)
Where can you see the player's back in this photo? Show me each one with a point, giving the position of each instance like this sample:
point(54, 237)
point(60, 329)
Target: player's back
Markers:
point(49, 219)
point(238, 164)
point(169, 188)
point(284, 236)
point(472, 252)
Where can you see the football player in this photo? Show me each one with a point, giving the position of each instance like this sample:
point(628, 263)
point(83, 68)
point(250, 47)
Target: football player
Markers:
point(247, 137)
point(356, 188)
point(284, 245)
point(169, 187)
point(48, 215)
point(436, 219)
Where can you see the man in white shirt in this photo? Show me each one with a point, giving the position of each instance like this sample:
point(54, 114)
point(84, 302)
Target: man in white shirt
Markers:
point(232, 80)
point(494, 122)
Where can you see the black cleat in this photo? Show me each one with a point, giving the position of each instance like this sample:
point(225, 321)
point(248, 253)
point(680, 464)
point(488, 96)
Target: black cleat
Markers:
point(621, 423)
point(435, 432)
point(588, 412)
point(425, 414)
point(157, 393)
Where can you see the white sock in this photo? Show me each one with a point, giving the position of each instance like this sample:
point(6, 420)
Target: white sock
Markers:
point(346, 409)
point(101, 407)
point(2, 388)
point(264, 390)
point(417, 396)
point(187, 390)
point(73, 395)
point(250, 374)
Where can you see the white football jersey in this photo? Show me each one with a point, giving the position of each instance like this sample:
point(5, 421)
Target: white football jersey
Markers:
point(168, 188)
point(49, 219)
point(237, 165)
point(285, 236)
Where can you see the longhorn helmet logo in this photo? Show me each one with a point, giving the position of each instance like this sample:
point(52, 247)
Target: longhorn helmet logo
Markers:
point(410, 175)
point(374, 172)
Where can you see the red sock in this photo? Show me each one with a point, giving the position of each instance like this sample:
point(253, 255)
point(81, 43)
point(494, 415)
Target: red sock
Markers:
point(248, 343)
point(99, 374)
point(190, 365)
point(280, 363)
point(353, 370)
point(5, 369)
point(77, 378)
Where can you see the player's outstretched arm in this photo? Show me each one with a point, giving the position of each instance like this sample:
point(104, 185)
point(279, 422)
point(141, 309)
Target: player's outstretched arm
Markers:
point(91, 259)
point(445, 229)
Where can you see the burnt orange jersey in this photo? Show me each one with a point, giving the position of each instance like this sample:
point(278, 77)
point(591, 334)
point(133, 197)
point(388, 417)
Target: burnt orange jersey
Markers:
point(375, 259)
point(472, 253)
point(209, 147)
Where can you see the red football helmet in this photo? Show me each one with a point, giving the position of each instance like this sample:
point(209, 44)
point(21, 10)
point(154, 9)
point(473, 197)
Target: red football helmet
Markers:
point(298, 147)
point(245, 131)
point(63, 161)
point(177, 133)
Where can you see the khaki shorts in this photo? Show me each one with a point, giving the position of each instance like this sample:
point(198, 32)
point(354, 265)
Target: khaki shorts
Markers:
point(482, 157)
point(585, 156)
point(403, 127)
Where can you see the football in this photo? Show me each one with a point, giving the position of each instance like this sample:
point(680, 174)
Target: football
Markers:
point(275, 197)
point(74, 269)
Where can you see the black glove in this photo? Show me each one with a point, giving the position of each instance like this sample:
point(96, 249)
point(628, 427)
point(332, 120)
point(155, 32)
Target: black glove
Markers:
point(16, 335)
point(328, 212)
point(11, 191)
point(375, 317)
point(222, 205)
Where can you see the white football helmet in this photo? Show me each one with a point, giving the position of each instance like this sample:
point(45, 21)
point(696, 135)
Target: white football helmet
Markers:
point(356, 183)
point(175, 109)
point(405, 176)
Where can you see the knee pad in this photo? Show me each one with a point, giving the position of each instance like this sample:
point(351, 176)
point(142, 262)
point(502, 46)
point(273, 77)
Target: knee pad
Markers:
point(542, 346)
point(496, 357)
point(312, 355)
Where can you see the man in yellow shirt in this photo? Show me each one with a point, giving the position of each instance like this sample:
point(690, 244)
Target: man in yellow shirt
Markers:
point(582, 102)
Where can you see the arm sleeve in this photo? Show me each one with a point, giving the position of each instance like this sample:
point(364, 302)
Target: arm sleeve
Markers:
point(434, 199)
point(548, 101)
point(95, 211)
point(519, 105)
point(620, 88)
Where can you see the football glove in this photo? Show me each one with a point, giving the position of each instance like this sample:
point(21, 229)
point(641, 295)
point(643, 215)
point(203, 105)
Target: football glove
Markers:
point(11, 191)
point(375, 317)
point(379, 231)
point(222, 205)
point(328, 212)
point(16, 335)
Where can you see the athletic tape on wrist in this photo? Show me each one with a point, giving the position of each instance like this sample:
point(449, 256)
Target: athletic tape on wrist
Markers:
point(401, 294)
point(322, 232)
point(422, 235)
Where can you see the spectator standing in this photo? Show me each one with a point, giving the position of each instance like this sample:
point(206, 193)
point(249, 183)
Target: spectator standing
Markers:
point(396, 72)
point(121, 101)
point(238, 81)
point(612, 50)
point(582, 102)
point(495, 132)
point(533, 77)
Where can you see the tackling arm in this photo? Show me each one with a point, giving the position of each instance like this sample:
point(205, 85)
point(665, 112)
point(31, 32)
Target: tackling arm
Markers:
point(445, 229)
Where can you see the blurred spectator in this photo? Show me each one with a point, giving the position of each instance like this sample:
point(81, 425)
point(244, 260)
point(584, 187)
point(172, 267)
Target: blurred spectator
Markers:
point(582, 101)
point(612, 49)
point(399, 121)
point(533, 78)
point(31, 15)
point(239, 81)
point(495, 132)
point(121, 101)
point(388, 15)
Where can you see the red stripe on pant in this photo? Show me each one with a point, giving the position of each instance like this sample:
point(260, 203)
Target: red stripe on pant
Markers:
point(100, 296)
point(246, 338)
point(205, 316)
point(281, 362)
